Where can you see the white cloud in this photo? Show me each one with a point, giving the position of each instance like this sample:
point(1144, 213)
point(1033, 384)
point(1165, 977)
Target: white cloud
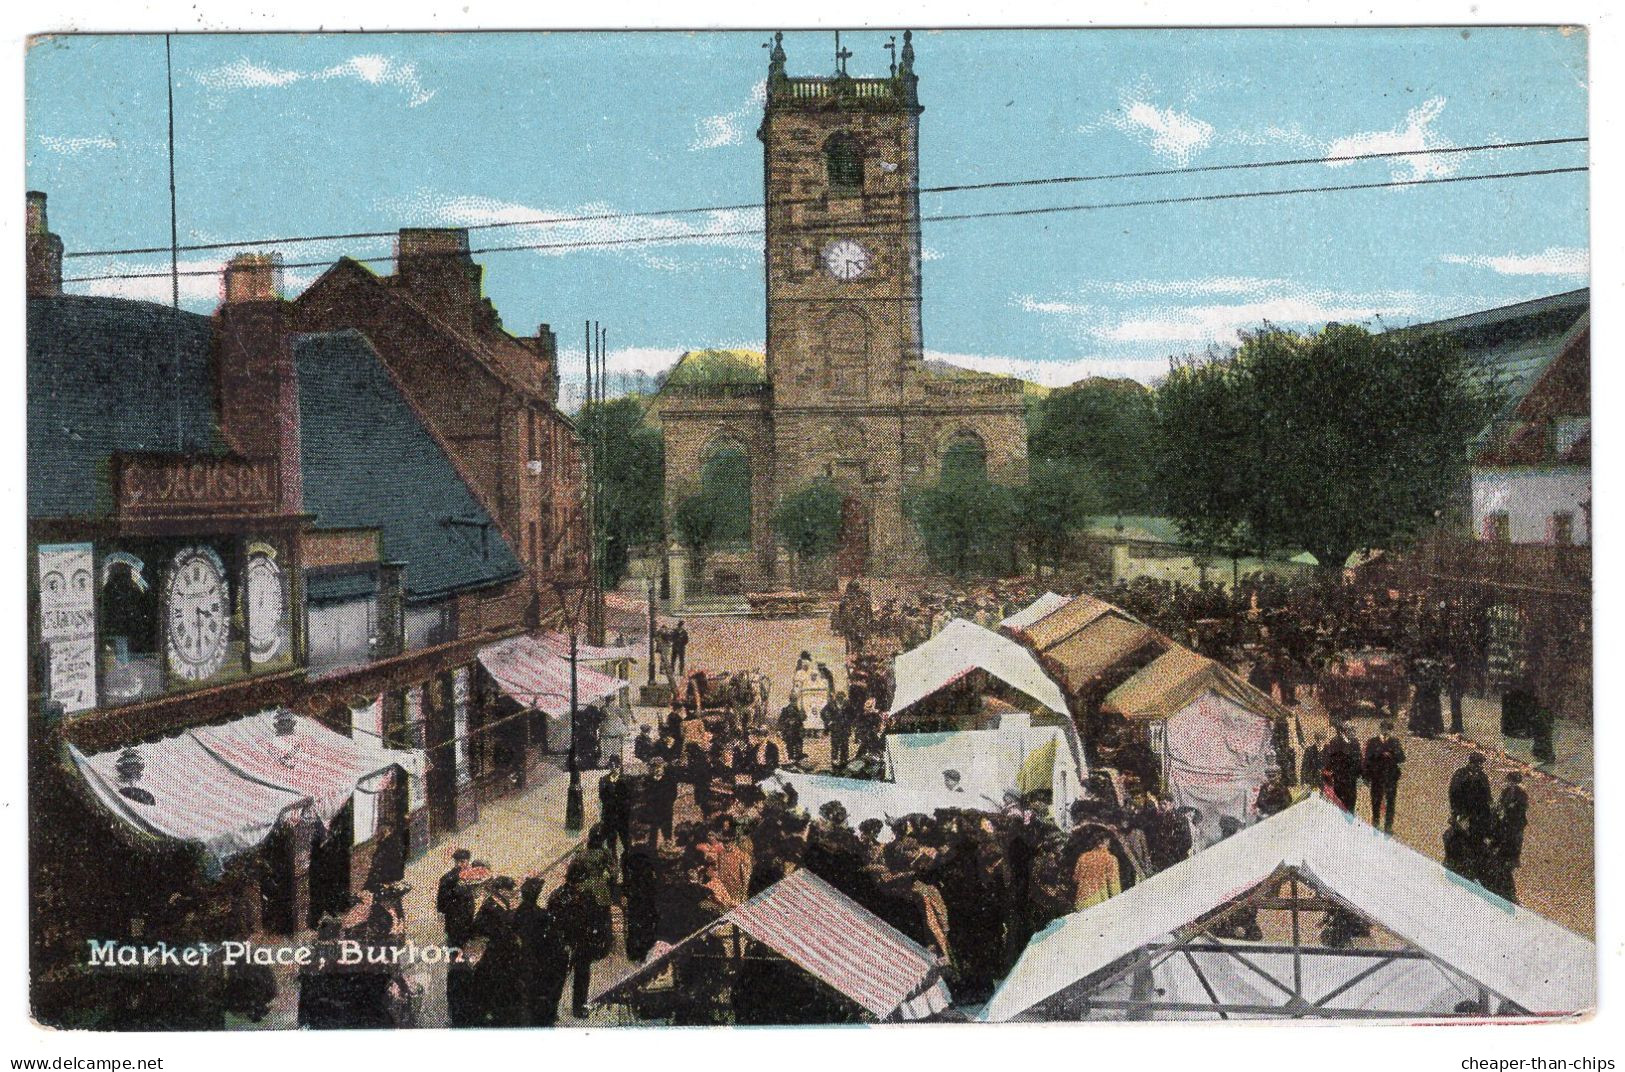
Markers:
point(651, 239)
point(368, 68)
point(728, 128)
point(1416, 132)
point(1558, 261)
point(74, 146)
point(1171, 134)
point(149, 280)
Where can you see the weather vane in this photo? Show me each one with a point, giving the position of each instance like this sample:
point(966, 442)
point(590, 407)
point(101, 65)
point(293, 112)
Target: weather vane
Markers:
point(891, 46)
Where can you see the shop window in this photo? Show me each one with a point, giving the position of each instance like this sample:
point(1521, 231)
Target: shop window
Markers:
point(129, 598)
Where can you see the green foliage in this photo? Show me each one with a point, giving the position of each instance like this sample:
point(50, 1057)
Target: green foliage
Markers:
point(1059, 496)
point(699, 368)
point(1332, 442)
point(965, 461)
point(967, 524)
point(1106, 427)
point(809, 521)
point(628, 455)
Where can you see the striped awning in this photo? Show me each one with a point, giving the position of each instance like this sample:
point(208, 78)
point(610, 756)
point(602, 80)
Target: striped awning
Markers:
point(833, 938)
point(530, 671)
point(226, 787)
point(589, 653)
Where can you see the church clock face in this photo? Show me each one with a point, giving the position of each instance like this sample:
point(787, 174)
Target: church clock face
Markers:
point(846, 259)
point(197, 627)
point(267, 609)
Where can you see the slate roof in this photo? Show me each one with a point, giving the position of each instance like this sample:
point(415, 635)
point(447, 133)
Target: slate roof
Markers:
point(106, 375)
point(368, 462)
point(1517, 341)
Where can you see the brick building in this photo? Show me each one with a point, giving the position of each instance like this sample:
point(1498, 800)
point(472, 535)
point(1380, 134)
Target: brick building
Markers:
point(273, 551)
point(845, 394)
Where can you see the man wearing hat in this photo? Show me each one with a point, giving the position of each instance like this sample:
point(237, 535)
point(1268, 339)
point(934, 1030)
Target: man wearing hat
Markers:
point(1383, 756)
point(455, 902)
point(1470, 798)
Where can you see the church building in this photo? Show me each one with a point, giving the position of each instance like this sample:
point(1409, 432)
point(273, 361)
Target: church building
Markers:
point(844, 394)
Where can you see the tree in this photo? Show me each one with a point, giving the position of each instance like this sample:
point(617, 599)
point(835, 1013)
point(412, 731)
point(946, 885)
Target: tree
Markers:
point(698, 520)
point(809, 520)
point(628, 455)
point(967, 524)
point(1106, 427)
point(1057, 498)
point(1331, 442)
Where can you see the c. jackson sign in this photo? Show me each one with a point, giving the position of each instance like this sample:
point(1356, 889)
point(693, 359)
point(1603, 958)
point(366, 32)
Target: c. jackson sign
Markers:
point(176, 484)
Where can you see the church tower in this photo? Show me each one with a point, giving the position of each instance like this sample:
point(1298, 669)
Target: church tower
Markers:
point(841, 187)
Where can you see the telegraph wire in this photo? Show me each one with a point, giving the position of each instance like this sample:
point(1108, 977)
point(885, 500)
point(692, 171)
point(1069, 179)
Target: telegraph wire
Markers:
point(1002, 184)
point(874, 227)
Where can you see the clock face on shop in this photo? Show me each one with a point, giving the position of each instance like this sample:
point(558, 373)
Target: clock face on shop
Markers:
point(197, 614)
point(267, 607)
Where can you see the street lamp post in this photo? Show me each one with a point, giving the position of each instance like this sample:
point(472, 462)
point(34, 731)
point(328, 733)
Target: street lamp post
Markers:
point(574, 806)
point(651, 633)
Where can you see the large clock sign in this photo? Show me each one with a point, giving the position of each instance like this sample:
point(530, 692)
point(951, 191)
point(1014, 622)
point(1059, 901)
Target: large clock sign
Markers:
point(197, 614)
point(267, 607)
point(845, 259)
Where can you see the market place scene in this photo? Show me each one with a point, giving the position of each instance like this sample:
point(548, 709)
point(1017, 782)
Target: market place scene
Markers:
point(393, 665)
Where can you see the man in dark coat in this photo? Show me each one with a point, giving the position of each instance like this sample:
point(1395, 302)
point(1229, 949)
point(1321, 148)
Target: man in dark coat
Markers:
point(615, 807)
point(839, 715)
point(547, 961)
point(656, 799)
point(1314, 761)
point(1470, 797)
point(1506, 842)
point(455, 901)
point(679, 648)
point(500, 977)
point(643, 748)
point(1342, 766)
point(792, 721)
point(586, 928)
point(1383, 756)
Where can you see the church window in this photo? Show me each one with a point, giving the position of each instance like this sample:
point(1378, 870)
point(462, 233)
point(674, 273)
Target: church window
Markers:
point(843, 157)
point(846, 354)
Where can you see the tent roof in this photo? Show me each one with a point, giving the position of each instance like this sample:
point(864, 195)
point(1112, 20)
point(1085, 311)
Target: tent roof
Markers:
point(1514, 952)
point(833, 938)
point(1061, 623)
point(964, 646)
point(1177, 677)
point(1099, 645)
point(1044, 605)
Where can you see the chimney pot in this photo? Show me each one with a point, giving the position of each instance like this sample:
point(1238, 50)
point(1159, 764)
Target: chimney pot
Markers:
point(37, 224)
point(253, 277)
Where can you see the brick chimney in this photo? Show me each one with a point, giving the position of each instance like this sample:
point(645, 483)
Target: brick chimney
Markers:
point(44, 251)
point(433, 266)
point(254, 371)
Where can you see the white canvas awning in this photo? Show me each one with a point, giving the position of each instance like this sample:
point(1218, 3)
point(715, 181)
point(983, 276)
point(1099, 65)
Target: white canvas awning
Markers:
point(808, 922)
point(227, 786)
point(961, 648)
point(869, 799)
point(990, 763)
point(1514, 953)
point(533, 672)
point(1044, 605)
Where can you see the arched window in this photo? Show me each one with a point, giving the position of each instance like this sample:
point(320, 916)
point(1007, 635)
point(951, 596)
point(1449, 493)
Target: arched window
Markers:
point(965, 458)
point(843, 157)
point(725, 478)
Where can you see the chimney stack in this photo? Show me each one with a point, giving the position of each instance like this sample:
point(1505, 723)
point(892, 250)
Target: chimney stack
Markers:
point(44, 251)
point(433, 266)
point(255, 376)
point(252, 277)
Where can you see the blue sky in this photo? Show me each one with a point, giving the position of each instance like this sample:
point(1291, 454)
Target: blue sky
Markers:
point(306, 134)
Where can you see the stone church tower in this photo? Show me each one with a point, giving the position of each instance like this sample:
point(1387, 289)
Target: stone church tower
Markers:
point(846, 396)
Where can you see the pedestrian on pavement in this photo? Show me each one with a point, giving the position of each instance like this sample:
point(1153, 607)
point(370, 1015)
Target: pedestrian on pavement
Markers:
point(1506, 843)
point(615, 808)
point(643, 748)
point(679, 649)
point(586, 927)
point(500, 977)
point(1342, 765)
point(792, 723)
point(454, 900)
point(1470, 798)
point(1383, 757)
point(547, 961)
point(1314, 760)
point(656, 799)
point(838, 718)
